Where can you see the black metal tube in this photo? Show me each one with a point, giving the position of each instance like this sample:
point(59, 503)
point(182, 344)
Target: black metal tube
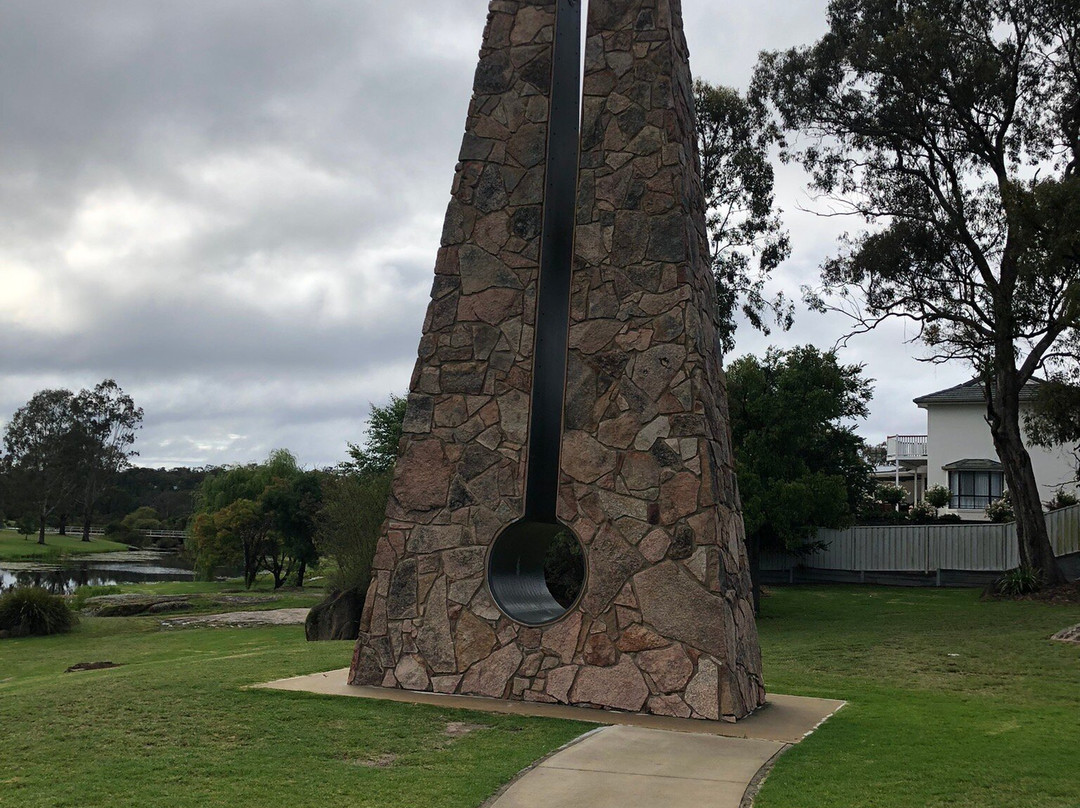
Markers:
point(556, 267)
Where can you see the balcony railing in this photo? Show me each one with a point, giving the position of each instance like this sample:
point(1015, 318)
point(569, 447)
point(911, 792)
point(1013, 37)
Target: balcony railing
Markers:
point(905, 447)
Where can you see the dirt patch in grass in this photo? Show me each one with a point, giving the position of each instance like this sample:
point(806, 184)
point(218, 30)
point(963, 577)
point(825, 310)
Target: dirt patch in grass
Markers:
point(457, 729)
point(1064, 595)
point(380, 762)
point(91, 666)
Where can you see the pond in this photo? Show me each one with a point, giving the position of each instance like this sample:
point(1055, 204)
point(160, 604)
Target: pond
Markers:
point(103, 569)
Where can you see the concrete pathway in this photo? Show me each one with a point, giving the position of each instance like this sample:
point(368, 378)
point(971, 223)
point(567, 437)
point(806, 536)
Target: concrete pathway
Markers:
point(632, 767)
point(636, 761)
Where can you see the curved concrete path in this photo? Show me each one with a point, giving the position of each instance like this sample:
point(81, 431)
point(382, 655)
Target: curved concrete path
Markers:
point(637, 761)
point(632, 767)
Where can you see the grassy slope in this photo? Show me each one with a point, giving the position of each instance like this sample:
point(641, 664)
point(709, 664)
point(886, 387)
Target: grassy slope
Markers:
point(998, 725)
point(14, 547)
point(174, 727)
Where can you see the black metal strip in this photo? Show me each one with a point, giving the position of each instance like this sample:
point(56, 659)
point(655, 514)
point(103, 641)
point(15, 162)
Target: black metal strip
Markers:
point(556, 267)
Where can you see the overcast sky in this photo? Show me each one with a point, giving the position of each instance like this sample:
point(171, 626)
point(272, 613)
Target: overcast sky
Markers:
point(232, 207)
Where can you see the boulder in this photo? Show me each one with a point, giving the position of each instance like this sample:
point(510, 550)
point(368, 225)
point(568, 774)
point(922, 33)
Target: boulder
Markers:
point(337, 617)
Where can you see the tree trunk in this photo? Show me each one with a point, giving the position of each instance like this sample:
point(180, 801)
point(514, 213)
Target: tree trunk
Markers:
point(300, 574)
point(41, 529)
point(249, 567)
point(1034, 541)
point(753, 547)
point(63, 525)
point(86, 525)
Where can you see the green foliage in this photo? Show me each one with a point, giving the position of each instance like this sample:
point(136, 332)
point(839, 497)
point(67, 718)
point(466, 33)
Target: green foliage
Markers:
point(735, 136)
point(1000, 510)
point(952, 126)
point(1019, 581)
point(890, 493)
point(42, 445)
point(34, 611)
point(62, 449)
point(292, 503)
point(937, 496)
point(380, 449)
point(261, 516)
point(1055, 415)
point(348, 526)
point(564, 569)
point(142, 518)
point(1062, 499)
point(84, 593)
point(800, 464)
point(26, 525)
point(921, 514)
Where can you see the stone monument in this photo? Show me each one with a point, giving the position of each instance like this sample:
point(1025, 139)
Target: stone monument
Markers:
point(574, 255)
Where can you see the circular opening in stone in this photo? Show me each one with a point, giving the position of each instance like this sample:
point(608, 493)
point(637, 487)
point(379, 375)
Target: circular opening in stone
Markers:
point(536, 572)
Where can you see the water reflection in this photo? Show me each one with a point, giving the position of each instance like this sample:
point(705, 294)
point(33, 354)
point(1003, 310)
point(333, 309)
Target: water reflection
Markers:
point(62, 578)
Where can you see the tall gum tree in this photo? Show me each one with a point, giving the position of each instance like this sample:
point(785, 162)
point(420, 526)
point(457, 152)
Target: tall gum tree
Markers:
point(747, 241)
point(42, 447)
point(108, 420)
point(954, 127)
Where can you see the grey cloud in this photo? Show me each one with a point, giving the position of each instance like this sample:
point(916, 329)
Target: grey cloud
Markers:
point(233, 208)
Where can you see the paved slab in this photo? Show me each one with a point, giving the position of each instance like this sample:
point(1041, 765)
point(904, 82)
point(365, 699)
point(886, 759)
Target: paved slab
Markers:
point(636, 761)
point(633, 767)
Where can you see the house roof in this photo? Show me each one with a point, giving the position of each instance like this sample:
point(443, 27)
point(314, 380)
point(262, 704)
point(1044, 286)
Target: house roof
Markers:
point(973, 464)
point(972, 393)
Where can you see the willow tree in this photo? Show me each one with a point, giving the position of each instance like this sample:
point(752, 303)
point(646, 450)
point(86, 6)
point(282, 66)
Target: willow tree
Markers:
point(952, 128)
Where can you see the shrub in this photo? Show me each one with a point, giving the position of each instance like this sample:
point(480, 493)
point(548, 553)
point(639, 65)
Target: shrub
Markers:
point(891, 494)
point(921, 514)
point(349, 525)
point(84, 593)
point(1000, 510)
point(27, 526)
point(1020, 581)
point(34, 611)
point(1062, 499)
point(950, 518)
point(937, 496)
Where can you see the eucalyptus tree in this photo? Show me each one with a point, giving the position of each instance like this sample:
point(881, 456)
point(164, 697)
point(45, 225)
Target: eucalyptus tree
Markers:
point(954, 127)
point(42, 447)
point(108, 419)
point(735, 138)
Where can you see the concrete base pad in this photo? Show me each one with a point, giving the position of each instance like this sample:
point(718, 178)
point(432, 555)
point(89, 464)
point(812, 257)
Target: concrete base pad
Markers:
point(644, 761)
point(784, 719)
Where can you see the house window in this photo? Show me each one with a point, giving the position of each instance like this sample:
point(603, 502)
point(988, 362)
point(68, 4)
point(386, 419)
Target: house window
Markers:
point(974, 490)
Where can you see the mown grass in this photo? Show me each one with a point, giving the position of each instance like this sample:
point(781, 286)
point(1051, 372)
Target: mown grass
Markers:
point(995, 726)
point(953, 701)
point(175, 727)
point(15, 547)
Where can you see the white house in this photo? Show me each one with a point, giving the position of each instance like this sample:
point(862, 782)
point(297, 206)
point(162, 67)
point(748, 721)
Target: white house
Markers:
point(958, 452)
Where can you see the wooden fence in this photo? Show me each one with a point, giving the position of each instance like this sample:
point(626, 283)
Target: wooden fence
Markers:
point(928, 548)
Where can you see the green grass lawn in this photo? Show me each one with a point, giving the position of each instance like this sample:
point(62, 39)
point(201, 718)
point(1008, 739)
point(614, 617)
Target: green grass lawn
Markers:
point(997, 726)
point(15, 547)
